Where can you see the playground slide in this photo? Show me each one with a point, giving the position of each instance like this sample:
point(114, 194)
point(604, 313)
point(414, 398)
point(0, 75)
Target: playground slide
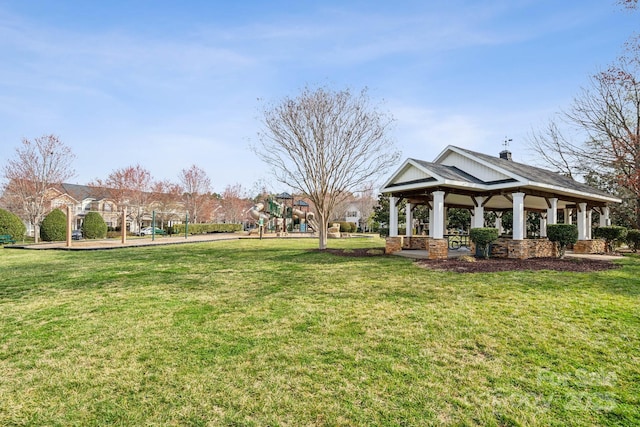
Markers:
point(309, 217)
point(256, 212)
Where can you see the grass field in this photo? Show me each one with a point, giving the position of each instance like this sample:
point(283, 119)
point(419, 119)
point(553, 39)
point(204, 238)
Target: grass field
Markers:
point(273, 333)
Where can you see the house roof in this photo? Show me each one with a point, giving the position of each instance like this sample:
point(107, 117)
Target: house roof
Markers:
point(464, 173)
point(81, 192)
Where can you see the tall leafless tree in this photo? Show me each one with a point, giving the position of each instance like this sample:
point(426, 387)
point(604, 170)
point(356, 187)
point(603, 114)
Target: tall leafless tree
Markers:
point(326, 144)
point(167, 201)
point(131, 187)
point(196, 187)
point(234, 204)
point(37, 166)
point(365, 202)
point(607, 116)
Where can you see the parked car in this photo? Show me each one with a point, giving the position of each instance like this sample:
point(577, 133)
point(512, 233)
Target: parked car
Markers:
point(147, 231)
point(76, 234)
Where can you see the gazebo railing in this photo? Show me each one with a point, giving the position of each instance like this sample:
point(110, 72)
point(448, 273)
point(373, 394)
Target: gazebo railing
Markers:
point(456, 241)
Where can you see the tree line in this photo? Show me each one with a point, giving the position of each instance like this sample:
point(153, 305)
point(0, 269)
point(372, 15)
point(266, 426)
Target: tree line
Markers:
point(41, 163)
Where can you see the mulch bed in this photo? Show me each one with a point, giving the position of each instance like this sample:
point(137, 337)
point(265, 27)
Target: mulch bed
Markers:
point(474, 265)
point(582, 265)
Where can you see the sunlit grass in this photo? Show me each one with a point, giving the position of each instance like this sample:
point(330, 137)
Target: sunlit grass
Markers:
point(273, 332)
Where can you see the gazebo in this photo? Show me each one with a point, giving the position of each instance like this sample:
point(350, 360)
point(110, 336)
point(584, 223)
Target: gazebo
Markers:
point(461, 178)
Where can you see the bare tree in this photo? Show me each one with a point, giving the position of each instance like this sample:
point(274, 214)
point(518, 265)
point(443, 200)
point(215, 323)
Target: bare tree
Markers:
point(234, 203)
point(38, 164)
point(326, 144)
point(557, 151)
point(365, 202)
point(129, 186)
point(606, 115)
point(629, 4)
point(196, 186)
point(167, 198)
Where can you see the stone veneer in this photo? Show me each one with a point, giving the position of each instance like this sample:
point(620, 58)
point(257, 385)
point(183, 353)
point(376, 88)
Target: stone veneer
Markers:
point(393, 244)
point(523, 249)
point(438, 248)
point(502, 248)
point(415, 242)
point(597, 246)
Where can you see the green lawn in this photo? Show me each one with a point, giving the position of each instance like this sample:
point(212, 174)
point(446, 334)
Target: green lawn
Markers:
point(271, 332)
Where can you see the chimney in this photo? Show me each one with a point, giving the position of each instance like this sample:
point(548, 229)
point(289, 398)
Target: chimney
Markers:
point(505, 154)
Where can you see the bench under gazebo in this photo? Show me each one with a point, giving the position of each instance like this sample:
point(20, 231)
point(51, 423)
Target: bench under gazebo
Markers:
point(460, 178)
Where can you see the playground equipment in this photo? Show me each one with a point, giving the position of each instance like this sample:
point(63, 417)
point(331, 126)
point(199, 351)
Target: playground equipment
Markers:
point(279, 214)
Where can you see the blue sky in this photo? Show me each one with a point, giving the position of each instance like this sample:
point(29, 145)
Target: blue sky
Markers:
point(169, 84)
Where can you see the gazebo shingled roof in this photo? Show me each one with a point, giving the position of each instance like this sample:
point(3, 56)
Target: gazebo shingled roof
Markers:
point(464, 174)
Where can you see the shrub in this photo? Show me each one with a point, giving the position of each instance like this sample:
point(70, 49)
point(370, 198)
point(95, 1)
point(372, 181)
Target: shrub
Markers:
point(563, 235)
point(93, 226)
point(347, 227)
point(613, 235)
point(633, 239)
point(12, 225)
point(483, 237)
point(207, 228)
point(54, 226)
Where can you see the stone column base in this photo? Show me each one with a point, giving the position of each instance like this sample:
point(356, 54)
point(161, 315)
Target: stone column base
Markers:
point(438, 248)
point(393, 244)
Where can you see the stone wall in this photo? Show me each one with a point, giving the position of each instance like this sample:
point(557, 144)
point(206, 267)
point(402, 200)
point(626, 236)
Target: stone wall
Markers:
point(597, 246)
point(415, 242)
point(438, 248)
point(523, 249)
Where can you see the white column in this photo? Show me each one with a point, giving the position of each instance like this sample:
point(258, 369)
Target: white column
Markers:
point(604, 216)
point(438, 214)
point(477, 220)
point(567, 216)
point(582, 221)
point(431, 222)
point(445, 217)
point(589, 222)
point(409, 223)
point(552, 212)
point(543, 224)
point(498, 224)
point(518, 216)
point(393, 217)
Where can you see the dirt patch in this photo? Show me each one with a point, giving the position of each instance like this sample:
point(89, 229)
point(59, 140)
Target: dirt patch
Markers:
point(504, 264)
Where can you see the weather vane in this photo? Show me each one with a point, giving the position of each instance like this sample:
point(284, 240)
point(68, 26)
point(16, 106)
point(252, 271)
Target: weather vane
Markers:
point(506, 142)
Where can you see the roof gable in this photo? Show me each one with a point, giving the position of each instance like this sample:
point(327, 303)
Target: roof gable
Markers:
point(483, 171)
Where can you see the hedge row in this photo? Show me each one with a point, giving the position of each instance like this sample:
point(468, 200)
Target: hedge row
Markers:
point(206, 228)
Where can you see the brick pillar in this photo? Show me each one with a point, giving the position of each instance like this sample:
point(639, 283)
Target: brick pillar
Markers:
point(438, 248)
point(393, 244)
